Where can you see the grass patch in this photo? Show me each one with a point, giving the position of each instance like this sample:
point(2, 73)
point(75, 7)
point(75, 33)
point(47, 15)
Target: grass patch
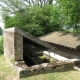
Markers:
point(69, 75)
point(1, 37)
point(12, 61)
point(8, 73)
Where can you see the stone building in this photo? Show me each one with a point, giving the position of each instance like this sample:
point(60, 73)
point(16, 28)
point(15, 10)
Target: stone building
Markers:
point(67, 44)
point(21, 46)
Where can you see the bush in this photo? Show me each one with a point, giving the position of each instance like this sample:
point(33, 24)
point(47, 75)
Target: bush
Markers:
point(1, 31)
point(1, 45)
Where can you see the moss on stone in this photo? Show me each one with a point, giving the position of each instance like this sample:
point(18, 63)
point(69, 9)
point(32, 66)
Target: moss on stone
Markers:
point(12, 61)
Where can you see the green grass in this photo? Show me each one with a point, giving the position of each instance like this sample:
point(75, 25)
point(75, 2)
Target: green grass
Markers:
point(1, 37)
point(8, 73)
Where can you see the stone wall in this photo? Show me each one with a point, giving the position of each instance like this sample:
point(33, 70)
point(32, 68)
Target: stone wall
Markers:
point(13, 46)
point(9, 44)
point(67, 52)
point(25, 71)
point(18, 47)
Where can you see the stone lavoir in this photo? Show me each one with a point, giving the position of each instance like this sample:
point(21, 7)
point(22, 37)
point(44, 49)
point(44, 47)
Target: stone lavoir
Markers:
point(22, 50)
point(67, 43)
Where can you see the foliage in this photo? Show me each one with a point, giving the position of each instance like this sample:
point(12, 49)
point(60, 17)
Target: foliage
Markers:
point(45, 15)
point(35, 20)
point(70, 13)
point(1, 45)
point(1, 31)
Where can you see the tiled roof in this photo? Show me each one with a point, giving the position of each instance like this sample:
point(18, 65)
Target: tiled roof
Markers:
point(70, 40)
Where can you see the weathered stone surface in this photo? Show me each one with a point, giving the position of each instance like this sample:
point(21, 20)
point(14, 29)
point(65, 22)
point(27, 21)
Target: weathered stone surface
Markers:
point(44, 68)
point(34, 39)
point(13, 46)
point(9, 44)
point(18, 47)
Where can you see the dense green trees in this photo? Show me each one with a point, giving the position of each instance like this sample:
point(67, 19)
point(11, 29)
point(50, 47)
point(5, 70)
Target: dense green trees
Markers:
point(70, 13)
point(35, 20)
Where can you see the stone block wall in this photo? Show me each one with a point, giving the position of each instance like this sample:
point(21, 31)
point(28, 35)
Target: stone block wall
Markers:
point(66, 52)
point(25, 71)
point(18, 47)
point(9, 44)
point(13, 46)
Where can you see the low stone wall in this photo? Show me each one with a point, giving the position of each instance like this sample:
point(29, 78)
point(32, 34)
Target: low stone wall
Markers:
point(25, 71)
point(67, 52)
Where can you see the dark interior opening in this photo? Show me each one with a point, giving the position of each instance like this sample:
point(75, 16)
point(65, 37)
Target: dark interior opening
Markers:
point(28, 60)
point(31, 53)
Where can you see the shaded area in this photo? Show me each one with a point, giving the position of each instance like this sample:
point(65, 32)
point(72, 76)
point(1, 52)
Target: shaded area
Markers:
point(28, 60)
point(31, 53)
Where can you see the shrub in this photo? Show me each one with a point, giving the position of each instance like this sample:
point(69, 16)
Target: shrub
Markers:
point(1, 45)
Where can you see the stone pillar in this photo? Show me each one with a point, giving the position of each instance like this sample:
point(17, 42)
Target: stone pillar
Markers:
point(13, 46)
point(9, 45)
point(18, 47)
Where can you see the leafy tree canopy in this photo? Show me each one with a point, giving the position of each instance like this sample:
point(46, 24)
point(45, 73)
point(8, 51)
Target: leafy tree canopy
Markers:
point(35, 20)
point(70, 13)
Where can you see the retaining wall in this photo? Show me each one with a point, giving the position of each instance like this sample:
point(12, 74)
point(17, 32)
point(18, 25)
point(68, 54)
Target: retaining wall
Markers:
point(25, 71)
